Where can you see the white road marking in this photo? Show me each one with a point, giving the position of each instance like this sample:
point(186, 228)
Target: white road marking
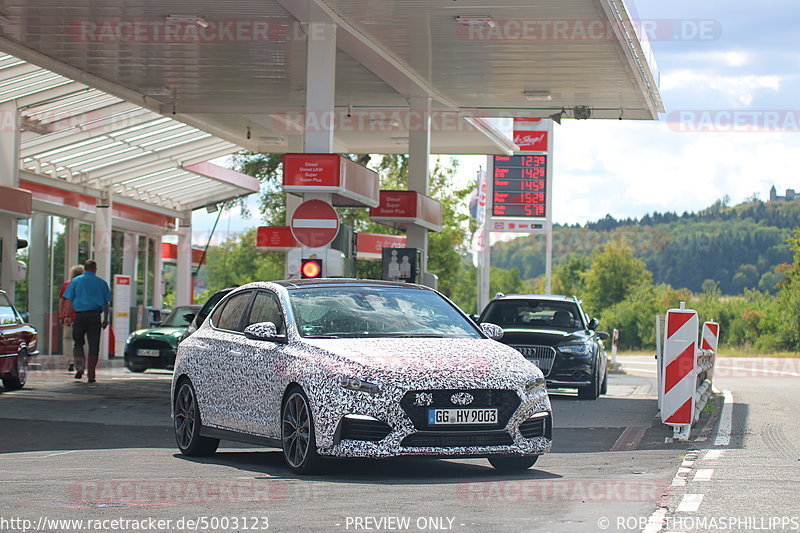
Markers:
point(656, 521)
point(723, 437)
point(687, 463)
point(713, 455)
point(703, 474)
point(690, 503)
point(762, 370)
point(59, 453)
point(680, 478)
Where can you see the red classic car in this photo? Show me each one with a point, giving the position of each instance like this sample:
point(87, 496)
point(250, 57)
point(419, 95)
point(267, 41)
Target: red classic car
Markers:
point(17, 343)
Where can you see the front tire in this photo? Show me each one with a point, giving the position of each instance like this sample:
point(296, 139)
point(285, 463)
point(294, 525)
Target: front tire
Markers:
point(511, 463)
point(187, 424)
point(18, 376)
point(592, 392)
point(136, 368)
point(297, 433)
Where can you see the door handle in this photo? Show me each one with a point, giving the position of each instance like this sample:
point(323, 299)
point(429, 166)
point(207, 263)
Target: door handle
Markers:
point(236, 352)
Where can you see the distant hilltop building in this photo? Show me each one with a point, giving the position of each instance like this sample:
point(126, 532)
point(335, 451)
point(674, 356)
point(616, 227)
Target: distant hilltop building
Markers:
point(790, 195)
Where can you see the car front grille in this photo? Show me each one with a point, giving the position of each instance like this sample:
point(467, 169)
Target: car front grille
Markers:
point(151, 344)
point(505, 401)
point(447, 439)
point(541, 356)
point(361, 429)
point(536, 427)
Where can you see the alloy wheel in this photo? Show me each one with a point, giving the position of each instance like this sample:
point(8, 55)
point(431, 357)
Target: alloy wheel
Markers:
point(296, 430)
point(185, 412)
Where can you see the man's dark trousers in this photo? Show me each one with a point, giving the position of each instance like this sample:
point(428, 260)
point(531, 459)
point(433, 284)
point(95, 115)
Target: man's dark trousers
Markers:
point(87, 324)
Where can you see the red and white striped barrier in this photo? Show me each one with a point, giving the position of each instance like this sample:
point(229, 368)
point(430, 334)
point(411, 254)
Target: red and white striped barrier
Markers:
point(679, 378)
point(709, 340)
point(685, 369)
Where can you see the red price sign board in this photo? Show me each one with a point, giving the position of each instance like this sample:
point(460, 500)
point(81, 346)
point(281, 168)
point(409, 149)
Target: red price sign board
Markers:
point(519, 186)
point(315, 223)
point(275, 239)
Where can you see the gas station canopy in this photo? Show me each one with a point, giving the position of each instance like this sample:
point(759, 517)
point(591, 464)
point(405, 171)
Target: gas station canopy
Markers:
point(76, 135)
point(237, 69)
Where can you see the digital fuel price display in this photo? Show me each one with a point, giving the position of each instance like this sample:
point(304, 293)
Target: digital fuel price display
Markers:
point(519, 186)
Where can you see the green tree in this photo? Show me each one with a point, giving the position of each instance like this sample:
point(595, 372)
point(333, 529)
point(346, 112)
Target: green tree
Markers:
point(568, 278)
point(614, 273)
point(445, 248)
point(786, 315)
point(465, 292)
point(236, 262)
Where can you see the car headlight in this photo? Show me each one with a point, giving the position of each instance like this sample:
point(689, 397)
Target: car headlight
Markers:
point(359, 385)
point(580, 349)
point(535, 385)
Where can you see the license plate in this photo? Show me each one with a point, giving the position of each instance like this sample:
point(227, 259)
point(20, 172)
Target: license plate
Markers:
point(147, 352)
point(443, 417)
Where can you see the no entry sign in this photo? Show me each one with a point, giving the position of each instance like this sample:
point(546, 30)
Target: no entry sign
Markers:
point(315, 223)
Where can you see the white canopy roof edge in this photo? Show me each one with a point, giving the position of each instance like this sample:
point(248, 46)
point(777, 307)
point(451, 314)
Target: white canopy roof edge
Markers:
point(83, 136)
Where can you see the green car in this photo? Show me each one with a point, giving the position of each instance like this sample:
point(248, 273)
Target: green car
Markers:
point(156, 347)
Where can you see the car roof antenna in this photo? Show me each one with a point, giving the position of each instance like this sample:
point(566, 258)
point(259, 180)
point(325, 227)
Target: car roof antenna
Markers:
point(498, 295)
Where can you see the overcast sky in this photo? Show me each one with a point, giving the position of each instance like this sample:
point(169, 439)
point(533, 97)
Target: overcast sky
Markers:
point(745, 68)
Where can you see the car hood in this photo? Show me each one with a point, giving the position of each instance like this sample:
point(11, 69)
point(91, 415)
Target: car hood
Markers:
point(157, 332)
point(461, 361)
point(543, 337)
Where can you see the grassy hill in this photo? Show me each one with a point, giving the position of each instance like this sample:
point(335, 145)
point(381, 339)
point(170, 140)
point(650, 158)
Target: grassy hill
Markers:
point(739, 247)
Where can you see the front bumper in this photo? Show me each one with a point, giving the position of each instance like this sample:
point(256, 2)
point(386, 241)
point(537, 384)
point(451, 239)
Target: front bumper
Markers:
point(404, 438)
point(570, 372)
point(165, 358)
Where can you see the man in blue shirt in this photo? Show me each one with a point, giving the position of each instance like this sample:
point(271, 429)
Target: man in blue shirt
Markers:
point(89, 296)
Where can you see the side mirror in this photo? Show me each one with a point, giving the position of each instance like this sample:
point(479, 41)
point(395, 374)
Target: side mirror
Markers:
point(155, 323)
point(603, 335)
point(264, 331)
point(493, 331)
point(188, 317)
point(593, 323)
point(474, 318)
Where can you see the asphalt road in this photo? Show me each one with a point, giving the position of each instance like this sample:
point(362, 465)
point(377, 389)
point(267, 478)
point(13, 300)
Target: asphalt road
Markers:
point(746, 477)
point(70, 451)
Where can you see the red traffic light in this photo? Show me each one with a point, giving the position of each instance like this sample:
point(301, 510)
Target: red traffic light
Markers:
point(311, 268)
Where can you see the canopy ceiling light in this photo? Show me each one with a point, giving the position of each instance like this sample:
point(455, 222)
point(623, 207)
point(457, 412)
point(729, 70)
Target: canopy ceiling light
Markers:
point(188, 19)
point(156, 91)
point(271, 140)
point(385, 122)
point(480, 21)
point(582, 112)
point(400, 140)
point(538, 96)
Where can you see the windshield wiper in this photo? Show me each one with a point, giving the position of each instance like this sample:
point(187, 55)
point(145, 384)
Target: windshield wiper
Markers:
point(416, 336)
point(321, 336)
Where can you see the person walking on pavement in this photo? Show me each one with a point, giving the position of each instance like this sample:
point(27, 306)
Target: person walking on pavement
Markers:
point(66, 336)
point(89, 296)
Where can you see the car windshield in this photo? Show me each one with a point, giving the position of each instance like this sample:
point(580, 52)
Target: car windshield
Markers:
point(376, 311)
point(535, 314)
point(177, 319)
